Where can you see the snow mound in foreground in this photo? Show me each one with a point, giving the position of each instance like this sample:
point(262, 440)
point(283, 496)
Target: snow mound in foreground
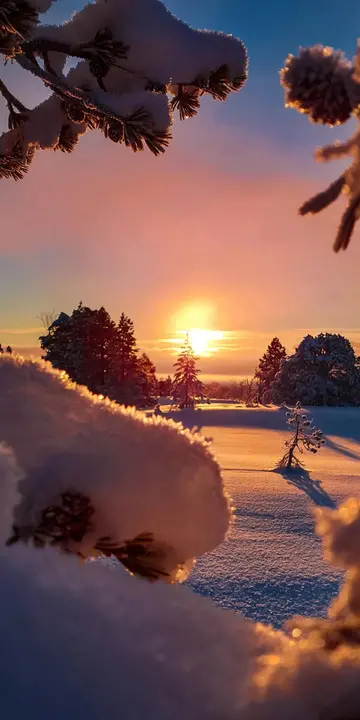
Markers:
point(98, 478)
point(85, 641)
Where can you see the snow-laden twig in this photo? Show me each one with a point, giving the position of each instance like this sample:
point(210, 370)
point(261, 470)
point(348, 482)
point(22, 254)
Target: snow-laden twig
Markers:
point(124, 48)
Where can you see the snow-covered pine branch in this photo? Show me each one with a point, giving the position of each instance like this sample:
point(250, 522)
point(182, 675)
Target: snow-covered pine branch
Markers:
point(137, 64)
point(321, 83)
point(101, 480)
point(305, 437)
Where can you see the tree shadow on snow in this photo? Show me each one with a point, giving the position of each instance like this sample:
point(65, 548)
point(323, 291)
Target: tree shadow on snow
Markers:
point(300, 478)
point(341, 422)
point(337, 447)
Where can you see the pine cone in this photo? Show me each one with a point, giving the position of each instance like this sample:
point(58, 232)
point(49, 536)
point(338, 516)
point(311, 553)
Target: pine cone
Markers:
point(317, 83)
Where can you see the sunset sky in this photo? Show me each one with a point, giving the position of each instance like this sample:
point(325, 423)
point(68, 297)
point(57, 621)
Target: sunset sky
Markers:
point(207, 236)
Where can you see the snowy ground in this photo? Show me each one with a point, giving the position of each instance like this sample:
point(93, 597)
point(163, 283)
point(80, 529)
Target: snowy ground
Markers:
point(271, 565)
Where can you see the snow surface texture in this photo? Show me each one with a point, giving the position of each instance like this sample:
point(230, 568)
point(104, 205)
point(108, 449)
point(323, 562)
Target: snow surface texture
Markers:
point(141, 475)
point(81, 641)
point(160, 51)
point(271, 566)
point(76, 639)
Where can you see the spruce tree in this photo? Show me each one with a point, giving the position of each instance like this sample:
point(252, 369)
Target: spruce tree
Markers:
point(269, 366)
point(187, 388)
point(146, 380)
point(165, 387)
point(83, 345)
point(126, 348)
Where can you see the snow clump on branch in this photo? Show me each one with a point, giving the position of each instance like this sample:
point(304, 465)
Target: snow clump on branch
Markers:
point(99, 479)
point(137, 65)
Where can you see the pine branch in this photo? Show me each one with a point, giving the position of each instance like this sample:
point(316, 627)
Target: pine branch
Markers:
point(186, 102)
point(15, 165)
point(347, 224)
point(17, 21)
point(139, 556)
point(68, 139)
point(10, 98)
point(138, 129)
point(102, 53)
point(17, 111)
point(323, 199)
point(219, 85)
point(65, 524)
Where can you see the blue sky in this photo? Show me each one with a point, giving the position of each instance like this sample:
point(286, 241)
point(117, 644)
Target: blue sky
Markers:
point(58, 247)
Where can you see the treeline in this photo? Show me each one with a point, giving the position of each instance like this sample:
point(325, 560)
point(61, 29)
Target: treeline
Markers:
point(103, 355)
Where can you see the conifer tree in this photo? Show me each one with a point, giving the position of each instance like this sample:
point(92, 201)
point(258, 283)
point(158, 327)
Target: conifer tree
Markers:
point(269, 366)
point(305, 437)
point(324, 370)
point(187, 388)
point(165, 387)
point(127, 350)
point(124, 84)
point(99, 354)
point(82, 345)
point(146, 380)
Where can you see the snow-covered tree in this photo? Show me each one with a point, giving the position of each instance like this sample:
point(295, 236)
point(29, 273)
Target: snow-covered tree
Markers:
point(305, 437)
point(187, 389)
point(324, 85)
point(323, 371)
point(137, 64)
point(268, 368)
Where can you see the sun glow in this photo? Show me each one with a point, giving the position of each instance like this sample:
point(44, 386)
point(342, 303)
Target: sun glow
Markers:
point(204, 342)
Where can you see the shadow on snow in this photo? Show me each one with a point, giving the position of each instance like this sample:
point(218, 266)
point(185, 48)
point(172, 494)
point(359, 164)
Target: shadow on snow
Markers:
point(301, 479)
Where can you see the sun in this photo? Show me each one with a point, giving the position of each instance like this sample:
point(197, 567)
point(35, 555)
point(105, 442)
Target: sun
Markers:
point(204, 342)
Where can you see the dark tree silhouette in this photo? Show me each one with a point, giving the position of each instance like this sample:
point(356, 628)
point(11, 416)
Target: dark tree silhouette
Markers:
point(187, 388)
